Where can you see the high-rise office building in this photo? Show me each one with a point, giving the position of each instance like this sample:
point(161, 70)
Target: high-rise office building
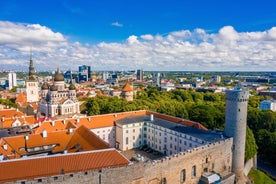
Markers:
point(139, 75)
point(12, 80)
point(84, 73)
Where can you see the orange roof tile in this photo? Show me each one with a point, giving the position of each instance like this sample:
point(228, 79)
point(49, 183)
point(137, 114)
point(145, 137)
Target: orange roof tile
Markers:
point(84, 140)
point(127, 87)
point(51, 126)
point(21, 98)
point(23, 169)
point(8, 113)
point(106, 120)
point(23, 120)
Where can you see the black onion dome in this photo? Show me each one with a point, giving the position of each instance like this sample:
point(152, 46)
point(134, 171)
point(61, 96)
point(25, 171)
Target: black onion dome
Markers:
point(44, 86)
point(72, 87)
point(59, 77)
point(53, 88)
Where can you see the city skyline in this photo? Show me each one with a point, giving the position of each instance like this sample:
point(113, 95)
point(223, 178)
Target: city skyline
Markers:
point(168, 35)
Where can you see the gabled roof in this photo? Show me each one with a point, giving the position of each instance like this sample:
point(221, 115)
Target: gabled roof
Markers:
point(80, 139)
point(22, 97)
point(23, 169)
point(84, 140)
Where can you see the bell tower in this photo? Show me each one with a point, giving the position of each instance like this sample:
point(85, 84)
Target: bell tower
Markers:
point(31, 83)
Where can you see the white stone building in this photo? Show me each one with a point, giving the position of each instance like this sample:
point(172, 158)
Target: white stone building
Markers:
point(56, 100)
point(161, 135)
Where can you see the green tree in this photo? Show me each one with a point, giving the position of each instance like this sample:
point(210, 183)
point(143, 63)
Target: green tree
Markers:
point(250, 144)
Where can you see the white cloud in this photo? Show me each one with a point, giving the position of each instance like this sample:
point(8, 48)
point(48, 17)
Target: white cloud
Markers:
point(117, 24)
point(178, 50)
point(147, 37)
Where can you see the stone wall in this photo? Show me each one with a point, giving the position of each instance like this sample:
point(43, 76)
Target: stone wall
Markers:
point(249, 164)
point(212, 157)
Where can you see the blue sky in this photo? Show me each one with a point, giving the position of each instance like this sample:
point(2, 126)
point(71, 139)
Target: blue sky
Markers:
point(154, 35)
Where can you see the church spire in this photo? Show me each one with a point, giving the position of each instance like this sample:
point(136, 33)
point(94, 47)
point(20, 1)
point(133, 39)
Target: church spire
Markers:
point(31, 67)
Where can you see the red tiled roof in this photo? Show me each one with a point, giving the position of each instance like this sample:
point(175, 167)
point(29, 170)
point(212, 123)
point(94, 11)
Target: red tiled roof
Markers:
point(127, 87)
point(23, 169)
point(84, 140)
point(8, 113)
point(178, 120)
point(23, 120)
point(21, 98)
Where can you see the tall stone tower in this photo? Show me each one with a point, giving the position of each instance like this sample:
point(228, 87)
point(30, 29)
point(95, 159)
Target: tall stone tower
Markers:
point(127, 92)
point(32, 84)
point(235, 126)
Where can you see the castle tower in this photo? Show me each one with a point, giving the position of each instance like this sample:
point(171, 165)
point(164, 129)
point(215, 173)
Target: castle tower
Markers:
point(127, 92)
point(235, 126)
point(32, 84)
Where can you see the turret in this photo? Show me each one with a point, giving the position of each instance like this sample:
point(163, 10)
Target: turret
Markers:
point(235, 126)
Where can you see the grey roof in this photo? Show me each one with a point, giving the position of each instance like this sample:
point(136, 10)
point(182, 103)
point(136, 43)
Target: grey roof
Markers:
point(206, 135)
point(133, 119)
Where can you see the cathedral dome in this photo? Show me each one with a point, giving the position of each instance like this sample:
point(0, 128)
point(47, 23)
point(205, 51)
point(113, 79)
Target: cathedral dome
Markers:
point(53, 88)
point(72, 87)
point(45, 86)
point(59, 77)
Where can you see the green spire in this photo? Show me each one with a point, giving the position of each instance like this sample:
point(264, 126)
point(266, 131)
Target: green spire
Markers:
point(31, 68)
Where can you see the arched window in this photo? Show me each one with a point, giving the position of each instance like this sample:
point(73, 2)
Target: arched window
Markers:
point(193, 171)
point(164, 181)
point(183, 175)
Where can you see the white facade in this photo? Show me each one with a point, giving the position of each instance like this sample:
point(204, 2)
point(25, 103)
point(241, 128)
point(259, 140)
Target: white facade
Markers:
point(129, 136)
point(168, 141)
point(107, 134)
point(159, 135)
point(12, 80)
point(268, 105)
point(32, 91)
point(56, 100)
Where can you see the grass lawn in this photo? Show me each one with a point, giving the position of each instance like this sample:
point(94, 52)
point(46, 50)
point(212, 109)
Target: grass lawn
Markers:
point(260, 177)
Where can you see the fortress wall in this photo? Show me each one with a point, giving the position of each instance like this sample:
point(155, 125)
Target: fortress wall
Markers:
point(218, 156)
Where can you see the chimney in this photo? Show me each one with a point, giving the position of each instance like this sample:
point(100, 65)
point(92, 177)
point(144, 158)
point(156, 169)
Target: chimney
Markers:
point(151, 117)
point(26, 137)
point(53, 123)
point(64, 121)
point(70, 130)
point(44, 133)
point(78, 120)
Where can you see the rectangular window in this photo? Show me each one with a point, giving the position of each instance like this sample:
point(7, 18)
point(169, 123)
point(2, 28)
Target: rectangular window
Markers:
point(126, 131)
point(133, 137)
point(133, 130)
point(126, 140)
